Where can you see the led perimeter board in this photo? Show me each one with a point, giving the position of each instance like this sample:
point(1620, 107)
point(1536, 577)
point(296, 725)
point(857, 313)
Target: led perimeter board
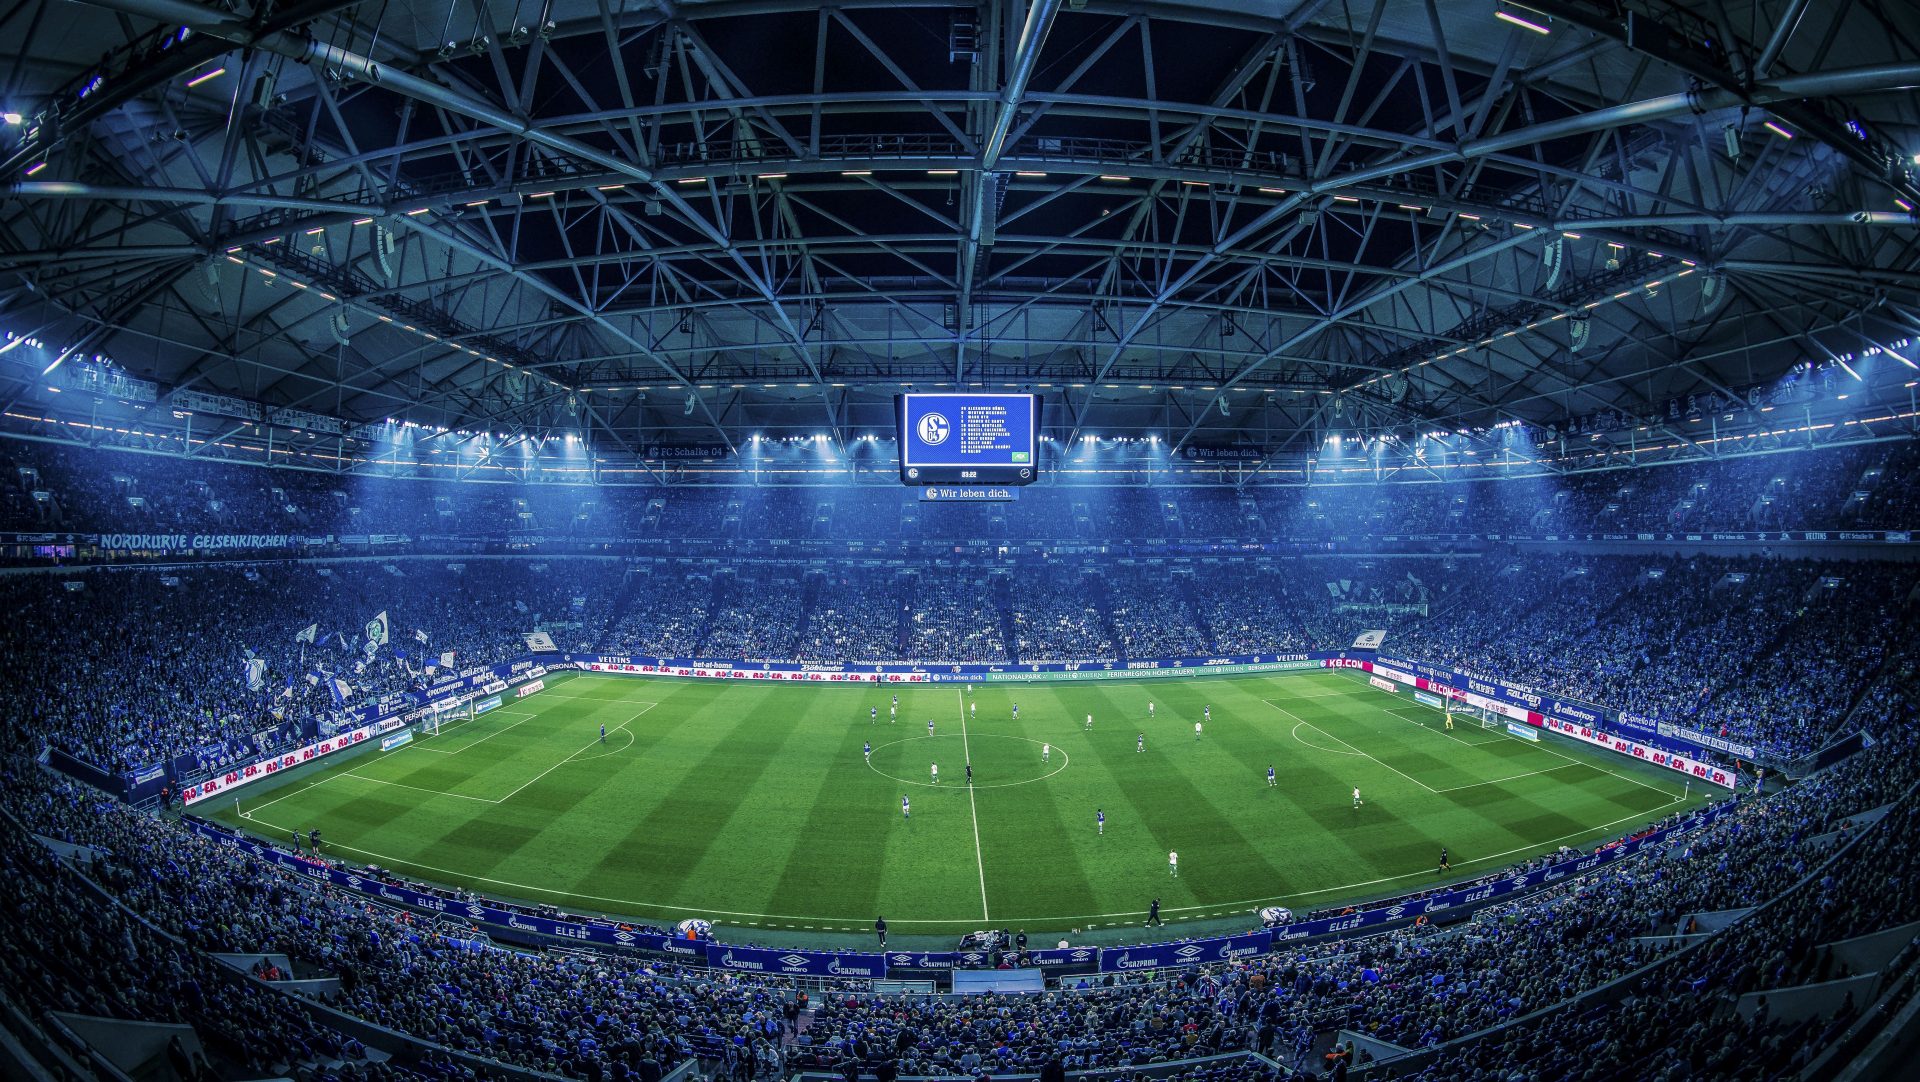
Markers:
point(985, 439)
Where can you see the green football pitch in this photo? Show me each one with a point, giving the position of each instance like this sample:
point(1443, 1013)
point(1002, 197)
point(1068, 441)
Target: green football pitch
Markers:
point(753, 804)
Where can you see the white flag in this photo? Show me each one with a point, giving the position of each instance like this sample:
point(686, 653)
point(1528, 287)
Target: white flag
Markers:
point(377, 632)
point(307, 634)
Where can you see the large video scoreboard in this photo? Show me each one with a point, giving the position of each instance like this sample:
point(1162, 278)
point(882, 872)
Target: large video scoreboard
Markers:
point(986, 439)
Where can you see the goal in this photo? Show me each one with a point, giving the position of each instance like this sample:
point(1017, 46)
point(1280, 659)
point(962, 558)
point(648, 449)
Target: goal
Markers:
point(1487, 718)
point(459, 711)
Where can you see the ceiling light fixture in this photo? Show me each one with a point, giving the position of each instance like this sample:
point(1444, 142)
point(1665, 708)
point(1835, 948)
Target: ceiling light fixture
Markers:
point(1506, 16)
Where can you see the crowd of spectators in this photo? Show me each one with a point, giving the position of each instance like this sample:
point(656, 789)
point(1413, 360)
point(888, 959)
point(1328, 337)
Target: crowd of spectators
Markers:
point(1152, 614)
point(758, 617)
point(664, 614)
point(126, 667)
point(1056, 616)
point(1769, 652)
point(856, 618)
point(69, 949)
point(955, 616)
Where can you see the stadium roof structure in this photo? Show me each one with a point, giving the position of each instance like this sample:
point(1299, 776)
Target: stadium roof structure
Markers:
point(1251, 222)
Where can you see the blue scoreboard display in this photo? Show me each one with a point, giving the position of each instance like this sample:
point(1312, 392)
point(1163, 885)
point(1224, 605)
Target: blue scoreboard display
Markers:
point(988, 439)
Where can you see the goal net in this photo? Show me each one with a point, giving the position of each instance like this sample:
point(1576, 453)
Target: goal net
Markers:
point(455, 710)
point(1464, 713)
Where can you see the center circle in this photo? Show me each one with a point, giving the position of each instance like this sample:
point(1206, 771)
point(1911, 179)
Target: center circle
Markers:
point(999, 761)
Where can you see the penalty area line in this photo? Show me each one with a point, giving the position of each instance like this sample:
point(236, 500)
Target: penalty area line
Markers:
point(1353, 751)
point(575, 755)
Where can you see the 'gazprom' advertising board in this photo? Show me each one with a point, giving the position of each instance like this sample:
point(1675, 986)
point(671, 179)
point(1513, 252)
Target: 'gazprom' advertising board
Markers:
point(1192, 952)
point(796, 962)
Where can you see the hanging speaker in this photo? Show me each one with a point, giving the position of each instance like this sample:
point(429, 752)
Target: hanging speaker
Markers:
point(1553, 257)
point(383, 249)
point(338, 325)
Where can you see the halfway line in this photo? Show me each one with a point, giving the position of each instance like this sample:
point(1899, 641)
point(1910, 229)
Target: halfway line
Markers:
point(966, 754)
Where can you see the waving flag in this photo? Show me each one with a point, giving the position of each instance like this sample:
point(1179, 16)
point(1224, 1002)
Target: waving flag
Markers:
point(446, 659)
point(256, 674)
point(307, 633)
point(420, 635)
point(342, 691)
point(377, 630)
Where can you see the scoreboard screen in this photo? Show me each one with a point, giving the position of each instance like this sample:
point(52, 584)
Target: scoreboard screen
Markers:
point(988, 439)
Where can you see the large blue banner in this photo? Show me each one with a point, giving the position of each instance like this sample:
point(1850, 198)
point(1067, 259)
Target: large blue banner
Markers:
point(1191, 952)
point(797, 962)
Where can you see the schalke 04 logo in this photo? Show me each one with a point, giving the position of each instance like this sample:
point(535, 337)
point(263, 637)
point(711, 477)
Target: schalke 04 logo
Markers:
point(934, 428)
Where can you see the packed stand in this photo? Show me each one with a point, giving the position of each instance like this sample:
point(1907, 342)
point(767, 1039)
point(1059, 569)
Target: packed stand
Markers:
point(1151, 617)
point(665, 614)
point(855, 618)
point(1056, 619)
point(759, 616)
point(954, 617)
point(155, 663)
